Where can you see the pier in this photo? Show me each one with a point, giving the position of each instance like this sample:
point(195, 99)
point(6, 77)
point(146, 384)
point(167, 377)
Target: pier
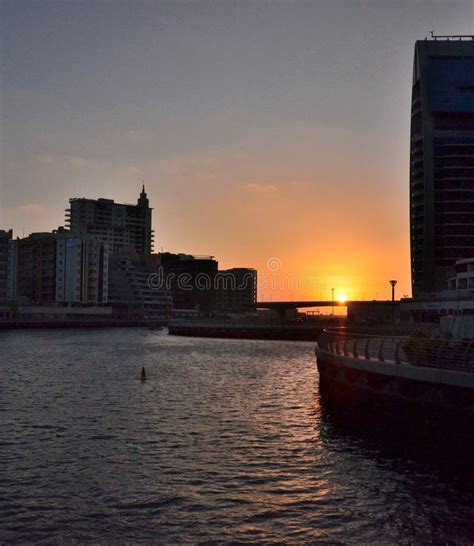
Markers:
point(292, 331)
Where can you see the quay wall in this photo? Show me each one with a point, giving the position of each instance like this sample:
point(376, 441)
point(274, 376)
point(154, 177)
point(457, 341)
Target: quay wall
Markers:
point(409, 391)
point(72, 323)
point(247, 330)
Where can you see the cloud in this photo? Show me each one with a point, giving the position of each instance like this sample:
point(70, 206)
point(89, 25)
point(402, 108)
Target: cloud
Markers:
point(304, 184)
point(45, 159)
point(260, 188)
point(140, 136)
point(199, 169)
point(69, 160)
point(31, 208)
point(76, 161)
point(130, 170)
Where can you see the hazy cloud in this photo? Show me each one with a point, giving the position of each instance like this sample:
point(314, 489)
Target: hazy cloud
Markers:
point(260, 188)
point(201, 169)
point(61, 160)
point(130, 170)
point(76, 161)
point(31, 208)
point(46, 159)
point(141, 136)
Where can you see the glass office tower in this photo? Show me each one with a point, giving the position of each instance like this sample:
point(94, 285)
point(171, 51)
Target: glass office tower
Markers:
point(441, 159)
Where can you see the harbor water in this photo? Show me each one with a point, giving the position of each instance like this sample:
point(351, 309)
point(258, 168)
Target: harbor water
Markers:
point(226, 440)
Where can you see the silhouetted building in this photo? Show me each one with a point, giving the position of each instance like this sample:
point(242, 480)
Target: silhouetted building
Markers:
point(372, 312)
point(12, 269)
point(191, 280)
point(236, 290)
point(441, 160)
point(81, 269)
point(132, 292)
point(115, 224)
point(461, 275)
point(36, 278)
point(5, 239)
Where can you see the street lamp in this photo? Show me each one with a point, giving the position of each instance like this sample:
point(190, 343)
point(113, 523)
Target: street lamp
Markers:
point(393, 283)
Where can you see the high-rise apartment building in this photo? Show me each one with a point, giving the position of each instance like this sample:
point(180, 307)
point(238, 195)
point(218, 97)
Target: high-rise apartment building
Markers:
point(36, 281)
point(190, 279)
point(132, 292)
point(12, 268)
point(441, 159)
point(114, 224)
point(5, 239)
point(236, 290)
point(81, 269)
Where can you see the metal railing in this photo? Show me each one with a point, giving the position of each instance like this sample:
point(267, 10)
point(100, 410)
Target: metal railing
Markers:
point(415, 349)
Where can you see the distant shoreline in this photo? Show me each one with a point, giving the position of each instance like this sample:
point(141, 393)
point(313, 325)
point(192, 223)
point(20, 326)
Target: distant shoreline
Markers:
point(203, 328)
point(55, 324)
point(249, 330)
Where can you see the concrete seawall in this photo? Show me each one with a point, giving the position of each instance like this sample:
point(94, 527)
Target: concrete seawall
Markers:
point(50, 324)
point(247, 330)
point(407, 390)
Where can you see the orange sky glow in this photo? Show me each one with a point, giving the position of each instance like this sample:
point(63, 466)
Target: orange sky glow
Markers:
point(266, 132)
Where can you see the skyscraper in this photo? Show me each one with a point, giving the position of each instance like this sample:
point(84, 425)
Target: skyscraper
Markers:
point(115, 224)
point(441, 159)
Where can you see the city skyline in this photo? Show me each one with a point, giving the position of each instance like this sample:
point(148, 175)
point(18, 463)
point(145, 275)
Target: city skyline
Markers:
point(253, 143)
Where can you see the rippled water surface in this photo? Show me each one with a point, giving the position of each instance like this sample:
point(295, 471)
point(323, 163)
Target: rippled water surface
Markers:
point(226, 441)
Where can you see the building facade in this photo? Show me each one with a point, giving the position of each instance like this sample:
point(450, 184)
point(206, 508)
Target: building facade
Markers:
point(191, 280)
point(441, 159)
point(36, 277)
point(114, 224)
point(236, 290)
point(12, 269)
point(81, 269)
point(461, 275)
point(5, 240)
point(132, 293)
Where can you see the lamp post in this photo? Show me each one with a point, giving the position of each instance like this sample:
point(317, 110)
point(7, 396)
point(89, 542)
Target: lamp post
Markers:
point(393, 284)
point(332, 290)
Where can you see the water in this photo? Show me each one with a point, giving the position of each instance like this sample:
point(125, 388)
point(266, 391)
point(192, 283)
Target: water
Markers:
point(226, 441)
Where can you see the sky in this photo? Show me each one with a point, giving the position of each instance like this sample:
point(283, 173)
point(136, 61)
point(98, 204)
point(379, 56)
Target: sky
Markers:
point(270, 134)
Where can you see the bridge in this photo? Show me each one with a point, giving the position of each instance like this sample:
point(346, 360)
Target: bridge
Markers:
point(298, 304)
point(281, 307)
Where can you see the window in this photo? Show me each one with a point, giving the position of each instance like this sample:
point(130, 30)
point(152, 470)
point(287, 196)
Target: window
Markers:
point(465, 89)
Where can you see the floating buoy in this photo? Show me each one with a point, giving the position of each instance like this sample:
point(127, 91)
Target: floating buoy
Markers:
point(143, 376)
